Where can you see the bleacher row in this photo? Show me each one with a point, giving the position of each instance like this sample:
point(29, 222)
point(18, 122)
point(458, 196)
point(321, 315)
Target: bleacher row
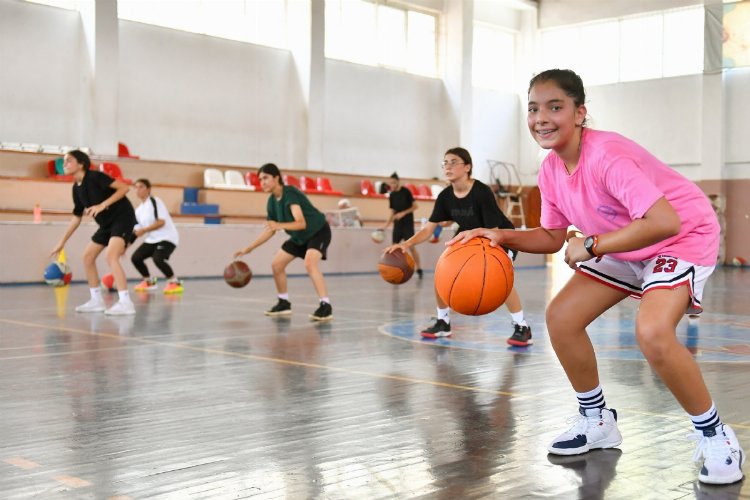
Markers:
point(191, 193)
point(233, 179)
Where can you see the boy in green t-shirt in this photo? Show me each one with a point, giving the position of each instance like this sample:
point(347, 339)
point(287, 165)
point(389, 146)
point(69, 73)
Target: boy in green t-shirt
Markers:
point(289, 209)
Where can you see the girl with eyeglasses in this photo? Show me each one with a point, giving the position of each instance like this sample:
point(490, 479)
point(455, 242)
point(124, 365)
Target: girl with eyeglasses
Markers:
point(471, 204)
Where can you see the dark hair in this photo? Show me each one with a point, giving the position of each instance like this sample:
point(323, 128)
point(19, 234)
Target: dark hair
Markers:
point(463, 154)
point(567, 80)
point(81, 158)
point(394, 175)
point(272, 170)
point(145, 182)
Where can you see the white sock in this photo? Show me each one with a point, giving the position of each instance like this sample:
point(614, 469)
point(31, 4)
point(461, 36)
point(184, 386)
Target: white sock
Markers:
point(124, 296)
point(706, 421)
point(284, 296)
point(325, 299)
point(96, 294)
point(444, 314)
point(518, 318)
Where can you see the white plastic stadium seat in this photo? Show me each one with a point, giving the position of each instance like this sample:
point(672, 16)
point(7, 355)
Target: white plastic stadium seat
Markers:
point(435, 189)
point(213, 178)
point(235, 180)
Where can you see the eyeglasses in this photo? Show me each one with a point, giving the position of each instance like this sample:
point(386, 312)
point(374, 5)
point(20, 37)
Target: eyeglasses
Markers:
point(451, 164)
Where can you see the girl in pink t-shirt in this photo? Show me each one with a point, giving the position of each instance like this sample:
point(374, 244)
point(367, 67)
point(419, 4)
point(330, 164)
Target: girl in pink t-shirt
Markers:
point(645, 231)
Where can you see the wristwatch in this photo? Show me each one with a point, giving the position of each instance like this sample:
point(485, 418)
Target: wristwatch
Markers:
point(590, 244)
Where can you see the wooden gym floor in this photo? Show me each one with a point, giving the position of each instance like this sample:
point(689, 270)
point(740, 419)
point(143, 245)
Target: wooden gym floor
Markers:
point(202, 396)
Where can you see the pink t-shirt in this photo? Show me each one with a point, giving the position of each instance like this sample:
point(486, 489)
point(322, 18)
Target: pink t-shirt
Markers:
point(617, 181)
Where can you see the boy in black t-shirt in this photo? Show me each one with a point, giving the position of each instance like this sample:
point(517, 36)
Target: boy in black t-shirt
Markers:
point(289, 209)
point(102, 197)
point(402, 205)
point(470, 204)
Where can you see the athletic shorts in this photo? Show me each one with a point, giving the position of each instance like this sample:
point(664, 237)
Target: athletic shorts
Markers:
point(402, 232)
point(661, 272)
point(121, 227)
point(319, 241)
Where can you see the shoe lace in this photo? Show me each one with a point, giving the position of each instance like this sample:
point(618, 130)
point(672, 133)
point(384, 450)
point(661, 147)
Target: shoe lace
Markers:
point(580, 423)
point(714, 447)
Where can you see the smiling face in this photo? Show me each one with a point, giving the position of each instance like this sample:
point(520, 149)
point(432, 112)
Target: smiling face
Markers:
point(553, 118)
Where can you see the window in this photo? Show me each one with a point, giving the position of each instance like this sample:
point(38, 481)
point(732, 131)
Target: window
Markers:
point(262, 22)
point(493, 58)
point(656, 45)
point(378, 35)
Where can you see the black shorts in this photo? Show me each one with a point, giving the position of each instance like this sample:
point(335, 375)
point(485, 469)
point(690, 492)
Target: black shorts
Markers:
point(402, 232)
point(319, 241)
point(121, 227)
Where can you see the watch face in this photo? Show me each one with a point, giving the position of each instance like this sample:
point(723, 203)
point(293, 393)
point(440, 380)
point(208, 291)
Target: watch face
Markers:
point(588, 243)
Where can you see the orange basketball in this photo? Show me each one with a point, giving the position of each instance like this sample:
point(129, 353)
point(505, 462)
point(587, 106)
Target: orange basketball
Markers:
point(237, 274)
point(396, 267)
point(474, 278)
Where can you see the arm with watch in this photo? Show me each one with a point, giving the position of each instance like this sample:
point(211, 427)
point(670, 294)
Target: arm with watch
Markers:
point(657, 224)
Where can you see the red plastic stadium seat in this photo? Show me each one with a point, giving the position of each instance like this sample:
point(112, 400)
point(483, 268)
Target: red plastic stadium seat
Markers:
point(251, 179)
point(425, 193)
point(291, 180)
point(367, 188)
point(113, 170)
point(413, 189)
point(308, 184)
point(123, 151)
point(324, 186)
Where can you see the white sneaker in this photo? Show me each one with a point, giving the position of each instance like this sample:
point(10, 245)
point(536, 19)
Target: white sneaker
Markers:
point(722, 454)
point(92, 306)
point(593, 428)
point(121, 309)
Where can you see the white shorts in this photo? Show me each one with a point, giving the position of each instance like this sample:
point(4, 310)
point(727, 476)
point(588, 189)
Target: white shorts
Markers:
point(661, 272)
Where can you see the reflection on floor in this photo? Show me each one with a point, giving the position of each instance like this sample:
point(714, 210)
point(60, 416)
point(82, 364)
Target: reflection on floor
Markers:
point(202, 396)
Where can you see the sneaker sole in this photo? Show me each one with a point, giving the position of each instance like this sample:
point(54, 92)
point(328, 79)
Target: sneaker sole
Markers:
point(90, 310)
point(518, 343)
point(176, 292)
point(730, 480)
point(435, 336)
point(317, 318)
point(585, 449)
point(281, 313)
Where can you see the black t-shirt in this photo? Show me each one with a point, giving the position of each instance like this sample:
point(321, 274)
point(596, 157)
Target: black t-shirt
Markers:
point(94, 189)
point(400, 200)
point(476, 209)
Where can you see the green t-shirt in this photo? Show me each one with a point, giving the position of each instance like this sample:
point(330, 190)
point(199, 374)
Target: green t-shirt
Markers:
point(280, 211)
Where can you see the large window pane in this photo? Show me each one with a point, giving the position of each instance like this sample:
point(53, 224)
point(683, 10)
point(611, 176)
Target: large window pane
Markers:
point(493, 58)
point(560, 49)
point(371, 33)
point(392, 37)
point(600, 45)
point(683, 42)
point(256, 21)
point(421, 44)
point(640, 48)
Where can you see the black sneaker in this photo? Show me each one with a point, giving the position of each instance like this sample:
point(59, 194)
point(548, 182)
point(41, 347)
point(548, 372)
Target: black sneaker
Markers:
point(324, 312)
point(420, 273)
point(282, 308)
point(521, 336)
point(439, 329)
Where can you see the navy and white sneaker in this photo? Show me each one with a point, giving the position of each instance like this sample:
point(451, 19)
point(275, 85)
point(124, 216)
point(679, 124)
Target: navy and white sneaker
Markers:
point(722, 455)
point(594, 428)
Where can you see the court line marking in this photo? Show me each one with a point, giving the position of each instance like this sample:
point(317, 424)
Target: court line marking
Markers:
point(256, 357)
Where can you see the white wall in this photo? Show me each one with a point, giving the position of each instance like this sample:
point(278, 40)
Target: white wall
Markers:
point(496, 132)
point(737, 97)
point(378, 121)
point(190, 97)
point(664, 116)
point(44, 74)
